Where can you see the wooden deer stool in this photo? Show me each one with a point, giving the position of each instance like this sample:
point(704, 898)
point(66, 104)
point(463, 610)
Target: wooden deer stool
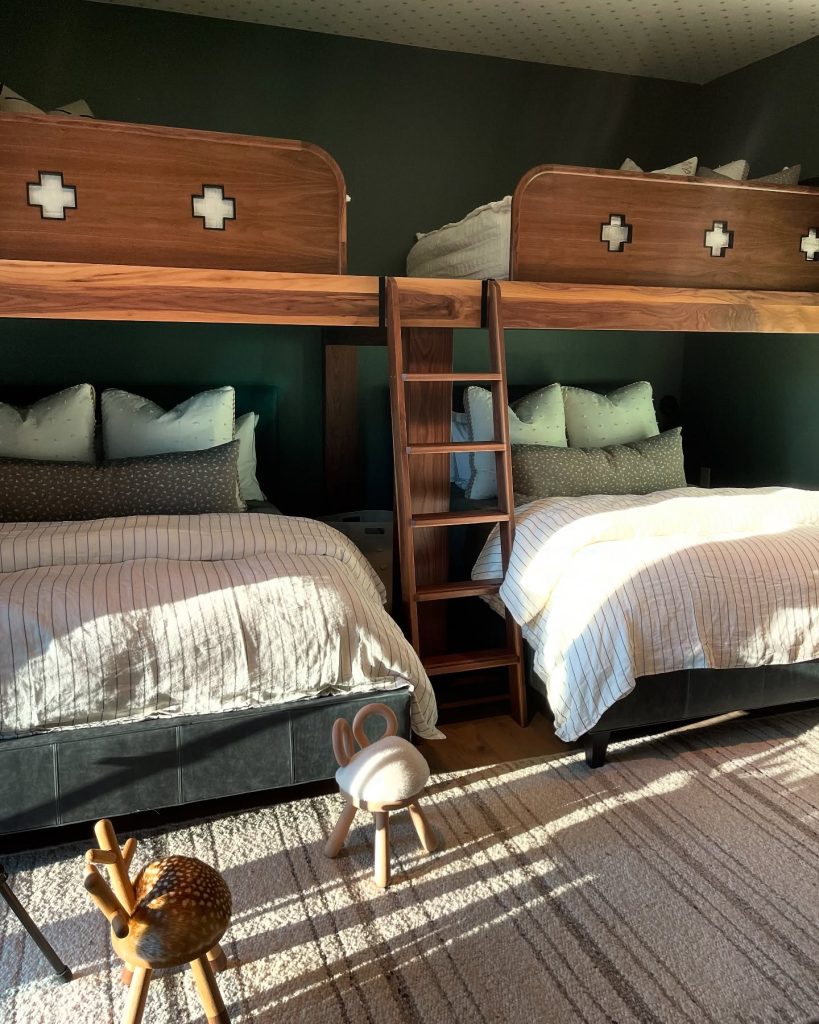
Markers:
point(381, 777)
point(174, 912)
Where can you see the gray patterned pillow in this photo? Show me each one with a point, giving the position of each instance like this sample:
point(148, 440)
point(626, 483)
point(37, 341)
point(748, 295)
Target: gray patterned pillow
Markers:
point(181, 483)
point(654, 464)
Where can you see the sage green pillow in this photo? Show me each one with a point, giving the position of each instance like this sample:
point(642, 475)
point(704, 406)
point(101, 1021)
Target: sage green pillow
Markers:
point(653, 464)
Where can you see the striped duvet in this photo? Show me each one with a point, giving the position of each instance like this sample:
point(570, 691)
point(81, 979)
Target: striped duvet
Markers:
point(610, 588)
point(117, 620)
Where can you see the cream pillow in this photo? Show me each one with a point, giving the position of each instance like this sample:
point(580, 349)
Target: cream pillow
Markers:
point(535, 419)
point(59, 428)
point(622, 416)
point(736, 170)
point(686, 168)
point(133, 426)
point(246, 436)
point(13, 103)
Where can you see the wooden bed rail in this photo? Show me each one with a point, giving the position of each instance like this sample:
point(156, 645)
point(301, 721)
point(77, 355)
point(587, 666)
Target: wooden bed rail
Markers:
point(88, 291)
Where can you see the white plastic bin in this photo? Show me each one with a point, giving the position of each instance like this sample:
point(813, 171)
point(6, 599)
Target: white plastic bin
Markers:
point(371, 531)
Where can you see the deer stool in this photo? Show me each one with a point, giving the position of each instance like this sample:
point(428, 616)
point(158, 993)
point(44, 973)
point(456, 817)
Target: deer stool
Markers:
point(381, 777)
point(174, 912)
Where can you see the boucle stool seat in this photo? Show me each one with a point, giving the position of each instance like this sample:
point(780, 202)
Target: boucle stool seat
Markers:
point(173, 913)
point(386, 775)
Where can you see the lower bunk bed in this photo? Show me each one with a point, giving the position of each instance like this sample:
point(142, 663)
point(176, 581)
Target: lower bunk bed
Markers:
point(152, 661)
point(643, 611)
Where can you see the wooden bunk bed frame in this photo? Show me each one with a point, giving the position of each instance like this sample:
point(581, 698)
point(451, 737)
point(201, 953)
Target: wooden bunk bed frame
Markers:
point(122, 280)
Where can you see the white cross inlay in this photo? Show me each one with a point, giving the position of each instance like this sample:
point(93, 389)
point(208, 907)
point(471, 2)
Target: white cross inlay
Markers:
point(617, 232)
point(52, 195)
point(719, 239)
point(214, 207)
point(810, 244)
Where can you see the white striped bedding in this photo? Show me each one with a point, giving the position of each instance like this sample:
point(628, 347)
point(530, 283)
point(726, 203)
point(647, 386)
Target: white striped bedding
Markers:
point(611, 588)
point(118, 620)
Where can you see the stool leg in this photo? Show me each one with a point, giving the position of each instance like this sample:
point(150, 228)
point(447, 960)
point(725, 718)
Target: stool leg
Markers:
point(126, 974)
point(209, 994)
point(137, 994)
point(429, 840)
point(332, 847)
point(382, 849)
point(217, 959)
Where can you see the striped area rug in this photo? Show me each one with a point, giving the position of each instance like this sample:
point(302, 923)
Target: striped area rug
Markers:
point(677, 885)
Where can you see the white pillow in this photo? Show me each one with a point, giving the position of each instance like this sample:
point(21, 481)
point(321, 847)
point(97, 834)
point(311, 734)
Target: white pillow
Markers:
point(459, 465)
point(133, 426)
point(59, 428)
point(620, 417)
point(535, 419)
point(246, 436)
point(13, 103)
point(736, 170)
point(787, 176)
point(685, 169)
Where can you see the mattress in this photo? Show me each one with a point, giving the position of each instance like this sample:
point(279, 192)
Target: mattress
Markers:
point(476, 247)
point(611, 588)
point(121, 620)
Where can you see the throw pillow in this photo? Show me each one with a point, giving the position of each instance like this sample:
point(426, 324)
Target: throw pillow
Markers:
point(624, 415)
point(59, 428)
point(655, 464)
point(535, 419)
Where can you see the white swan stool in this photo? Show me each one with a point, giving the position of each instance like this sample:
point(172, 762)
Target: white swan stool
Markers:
point(382, 776)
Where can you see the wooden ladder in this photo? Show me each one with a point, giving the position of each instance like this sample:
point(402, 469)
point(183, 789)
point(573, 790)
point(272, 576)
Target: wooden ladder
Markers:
point(509, 657)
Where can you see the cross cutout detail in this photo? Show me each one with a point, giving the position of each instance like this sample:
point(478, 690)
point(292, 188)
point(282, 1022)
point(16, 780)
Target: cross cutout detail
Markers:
point(214, 207)
point(719, 239)
point(52, 195)
point(810, 244)
point(617, 232)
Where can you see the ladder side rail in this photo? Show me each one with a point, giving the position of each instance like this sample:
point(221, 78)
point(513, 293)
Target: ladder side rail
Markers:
point(400, 444)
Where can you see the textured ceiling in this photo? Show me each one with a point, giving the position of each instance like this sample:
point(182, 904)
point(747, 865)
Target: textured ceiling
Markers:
point(685, 40)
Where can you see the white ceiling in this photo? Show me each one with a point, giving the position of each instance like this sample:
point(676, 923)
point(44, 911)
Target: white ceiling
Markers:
point(685, 40)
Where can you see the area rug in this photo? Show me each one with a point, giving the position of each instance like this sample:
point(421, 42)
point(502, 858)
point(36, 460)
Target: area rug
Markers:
point(679, 884)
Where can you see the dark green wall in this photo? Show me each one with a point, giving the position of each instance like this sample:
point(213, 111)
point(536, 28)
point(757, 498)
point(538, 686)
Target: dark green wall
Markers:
point(422, 137)
point(752, 401)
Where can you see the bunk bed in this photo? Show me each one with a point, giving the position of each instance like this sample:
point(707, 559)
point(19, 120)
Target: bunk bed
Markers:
point(594, 249)
point(125, 222)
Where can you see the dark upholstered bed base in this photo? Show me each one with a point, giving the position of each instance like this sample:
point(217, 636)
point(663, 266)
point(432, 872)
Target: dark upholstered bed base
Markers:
point(78, 775)
point(697, 693)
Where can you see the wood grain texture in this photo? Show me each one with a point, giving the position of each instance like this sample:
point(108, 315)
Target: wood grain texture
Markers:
point(135, 185)
point(558, 213)
point(85, 291)
point(342, 451)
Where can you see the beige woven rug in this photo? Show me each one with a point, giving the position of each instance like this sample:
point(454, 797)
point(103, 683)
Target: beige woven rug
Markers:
point(680, 883)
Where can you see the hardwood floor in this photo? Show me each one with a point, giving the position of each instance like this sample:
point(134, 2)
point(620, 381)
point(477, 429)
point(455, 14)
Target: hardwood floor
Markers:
point(491, 740)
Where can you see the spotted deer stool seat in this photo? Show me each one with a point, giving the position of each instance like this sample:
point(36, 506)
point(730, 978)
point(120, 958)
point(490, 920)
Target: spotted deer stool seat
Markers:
point(173, 913)
point(383, 776)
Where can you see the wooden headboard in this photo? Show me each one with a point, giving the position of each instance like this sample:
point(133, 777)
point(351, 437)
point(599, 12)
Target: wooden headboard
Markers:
point(85, 191)
point(584, 226)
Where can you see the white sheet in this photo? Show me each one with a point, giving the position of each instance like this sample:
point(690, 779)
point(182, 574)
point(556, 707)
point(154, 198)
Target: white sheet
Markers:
point(475, 247)
point(608, 589)
point(126, 619)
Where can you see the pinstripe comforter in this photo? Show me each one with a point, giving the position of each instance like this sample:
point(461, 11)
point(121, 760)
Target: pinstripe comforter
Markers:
point(118, 620)
point(610, 588)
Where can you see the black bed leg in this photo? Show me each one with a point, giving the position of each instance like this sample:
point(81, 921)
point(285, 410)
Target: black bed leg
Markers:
point(596, 746)
point(59, 968)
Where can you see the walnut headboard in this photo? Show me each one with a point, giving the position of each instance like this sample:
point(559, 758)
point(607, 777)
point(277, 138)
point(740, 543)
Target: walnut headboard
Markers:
point(85, 191)
point(585, 226)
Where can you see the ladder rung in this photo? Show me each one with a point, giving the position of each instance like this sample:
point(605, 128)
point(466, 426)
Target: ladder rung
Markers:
point(469, 661)
point(459, 518)
point(450, 591)
point(442, 447)
point(455, 378)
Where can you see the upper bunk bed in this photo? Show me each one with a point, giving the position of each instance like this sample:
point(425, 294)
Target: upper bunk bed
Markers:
point(249, 230)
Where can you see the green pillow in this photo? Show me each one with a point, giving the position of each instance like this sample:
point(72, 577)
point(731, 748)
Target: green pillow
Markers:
point(653, 464)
